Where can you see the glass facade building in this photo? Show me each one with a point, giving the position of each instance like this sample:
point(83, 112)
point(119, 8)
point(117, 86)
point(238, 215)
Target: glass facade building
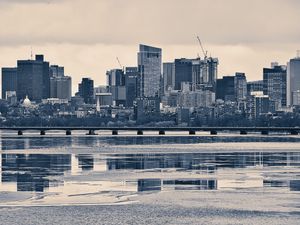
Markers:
point(149, 67)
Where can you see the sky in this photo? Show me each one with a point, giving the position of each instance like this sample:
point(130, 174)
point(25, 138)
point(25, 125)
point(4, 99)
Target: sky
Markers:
point(86, 36)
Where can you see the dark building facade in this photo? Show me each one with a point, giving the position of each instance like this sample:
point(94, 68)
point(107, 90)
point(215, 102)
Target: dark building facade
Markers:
point(86, 90)
point(131, 74)
point(33, 79)
point(225, 88)
point(183, 72)
point(9, 80)
point(254, 86)
point(116, 86)
point(275, 85)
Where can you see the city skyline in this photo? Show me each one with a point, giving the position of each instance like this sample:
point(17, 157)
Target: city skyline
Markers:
point(87, 46)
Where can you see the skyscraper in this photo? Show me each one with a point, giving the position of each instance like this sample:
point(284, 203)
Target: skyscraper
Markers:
point(61, 87)
point(86, 90)
point(56, 71)
point(9, 80)
point(275, 84)
point(149, 67)
point(293, 79)
point(116, 86)
point(183, 72)
point(33, 79)
point(168, 76)
point(225, 88)
point(240, 87)
point(131, 74)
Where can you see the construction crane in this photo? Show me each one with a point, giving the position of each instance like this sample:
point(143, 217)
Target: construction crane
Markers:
point(204, 52)
point(120, 63)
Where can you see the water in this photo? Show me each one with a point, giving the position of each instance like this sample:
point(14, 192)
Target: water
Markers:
point(175, 179)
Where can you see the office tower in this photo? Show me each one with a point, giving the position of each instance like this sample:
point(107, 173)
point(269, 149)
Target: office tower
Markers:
point(202, 74)
point(33, 79)
point(183, 72)
point(61, 87)
point(56, 71)
point(254, 86)
point(212, 73)
point(131, 75)
point(115, 77)
point(275, 84)
point(240, 87)
point(86, 90)
point(168, 76)
point(9, 80)
point(226, 88)
point(293, 79)
point(149, 67)
point(116, 86)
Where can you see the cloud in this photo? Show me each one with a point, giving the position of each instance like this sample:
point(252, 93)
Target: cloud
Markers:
point(159, 22)
point(29, 1)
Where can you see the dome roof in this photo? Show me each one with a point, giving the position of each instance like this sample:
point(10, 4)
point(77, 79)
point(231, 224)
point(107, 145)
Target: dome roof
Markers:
point(26, 101)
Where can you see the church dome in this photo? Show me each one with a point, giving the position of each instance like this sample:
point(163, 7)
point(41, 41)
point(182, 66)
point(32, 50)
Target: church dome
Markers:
point(27, 102)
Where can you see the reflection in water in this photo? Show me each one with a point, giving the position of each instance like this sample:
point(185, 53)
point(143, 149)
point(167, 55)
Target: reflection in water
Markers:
point(36, 142)
point(31, 172)
point(178, 184)
point(214, 171)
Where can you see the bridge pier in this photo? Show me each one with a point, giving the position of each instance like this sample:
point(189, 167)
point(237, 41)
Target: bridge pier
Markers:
point(68, 132)
point(20, 132)
point(294, 132)
point(43, 132)
point(264, 132)
point(140, 132)
point(243, 132)
point(192, 132)
point(114, 132)
point(91, 132)
point(213, 132)
point(161, 132)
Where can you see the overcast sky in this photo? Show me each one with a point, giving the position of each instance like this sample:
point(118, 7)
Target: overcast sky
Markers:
point(86, 36)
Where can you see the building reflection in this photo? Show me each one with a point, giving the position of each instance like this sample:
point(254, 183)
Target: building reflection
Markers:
point(178, 184)
point(39, 172)
point(86, 161)
point(208, 162)
point(31, 172)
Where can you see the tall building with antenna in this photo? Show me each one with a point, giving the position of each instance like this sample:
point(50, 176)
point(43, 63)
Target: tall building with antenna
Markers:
point(33, 79)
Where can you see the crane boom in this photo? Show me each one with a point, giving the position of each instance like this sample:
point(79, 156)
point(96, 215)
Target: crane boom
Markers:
point(119, 63)
point(204, 52)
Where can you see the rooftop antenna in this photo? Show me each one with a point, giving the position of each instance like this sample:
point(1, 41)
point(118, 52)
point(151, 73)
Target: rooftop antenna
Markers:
point(31, 52)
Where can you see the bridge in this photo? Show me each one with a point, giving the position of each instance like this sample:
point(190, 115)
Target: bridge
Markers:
point(161, 130)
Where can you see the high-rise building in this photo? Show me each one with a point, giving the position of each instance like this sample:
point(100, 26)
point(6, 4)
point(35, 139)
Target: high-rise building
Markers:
point(86, 90)
point(183, 72)
point(115, 77)
point(131, 75)
point(254, 86)
point(56, 71)
point(240, 87)
point(293, 79)
point(33, 79)
point(275, 84)
point(202, 74)
point(9, 80)
point(168, 76)
point(149, 67)
point(116, 86)
point(226, 88)
point(61, 87)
